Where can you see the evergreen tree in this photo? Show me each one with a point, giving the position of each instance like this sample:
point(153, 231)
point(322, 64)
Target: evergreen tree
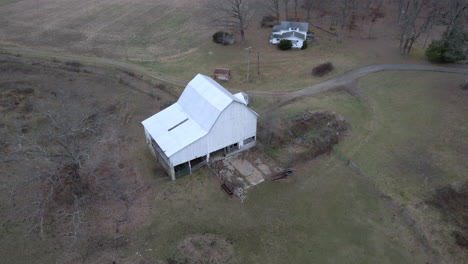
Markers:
point(451, 47)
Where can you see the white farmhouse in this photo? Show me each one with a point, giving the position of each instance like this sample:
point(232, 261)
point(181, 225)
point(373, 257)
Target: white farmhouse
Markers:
point(206, 120)
point(296, 32)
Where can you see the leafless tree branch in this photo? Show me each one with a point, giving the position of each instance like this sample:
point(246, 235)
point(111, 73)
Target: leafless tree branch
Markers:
point(234, 14)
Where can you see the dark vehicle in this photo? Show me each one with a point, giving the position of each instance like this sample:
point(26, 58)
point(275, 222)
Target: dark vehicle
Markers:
point(268, 21)
point(310, 36)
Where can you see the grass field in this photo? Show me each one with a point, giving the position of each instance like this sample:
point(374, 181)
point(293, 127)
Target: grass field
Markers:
point(409, 136)
point(6, 2)
point(118, 29)
point(420, 134)
point(279, 70)
point(327, 215)
point(174, 39)
point(420, 138)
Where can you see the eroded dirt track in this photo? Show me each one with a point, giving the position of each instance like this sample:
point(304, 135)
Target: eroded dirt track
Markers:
point(334, 83)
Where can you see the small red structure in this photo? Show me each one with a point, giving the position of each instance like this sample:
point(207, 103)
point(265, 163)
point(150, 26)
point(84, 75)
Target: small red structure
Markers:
point(222, 74)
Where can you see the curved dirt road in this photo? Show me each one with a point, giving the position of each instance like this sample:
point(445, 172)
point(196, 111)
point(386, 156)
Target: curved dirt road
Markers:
point(358, 73)
point(353, 75)
point(94, 60)
point(336, 82)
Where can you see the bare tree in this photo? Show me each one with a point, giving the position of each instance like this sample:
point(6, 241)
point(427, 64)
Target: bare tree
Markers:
point(369, 11)
point(375, 13)
point(403, 5)
point(286, 10)
point(295, 9)
point(273, 6)
point(363, 14)
point(415, 19)
point(454, 10)
point(342, 11)
point(309, 6)
point(234, 14)
point(53, 157)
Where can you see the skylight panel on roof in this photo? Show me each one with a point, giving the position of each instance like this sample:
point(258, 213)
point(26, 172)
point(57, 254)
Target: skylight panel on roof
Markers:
point(183, 121)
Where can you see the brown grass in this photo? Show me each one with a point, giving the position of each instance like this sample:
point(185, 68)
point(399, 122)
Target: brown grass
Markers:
point(452, 203)
point(112, 182)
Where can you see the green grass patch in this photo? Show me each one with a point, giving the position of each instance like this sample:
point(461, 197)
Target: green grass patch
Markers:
point(327, 215)
point(417, 137)
point(408, 132)
point(279, 70)
point(6, 2)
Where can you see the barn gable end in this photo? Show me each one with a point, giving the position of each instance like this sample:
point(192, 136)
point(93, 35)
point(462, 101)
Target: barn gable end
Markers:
point(205, 119)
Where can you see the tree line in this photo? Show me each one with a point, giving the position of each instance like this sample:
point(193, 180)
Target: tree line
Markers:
point(412, 18)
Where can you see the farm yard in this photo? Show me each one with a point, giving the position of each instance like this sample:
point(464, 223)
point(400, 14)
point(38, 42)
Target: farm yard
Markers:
point(390, 185)
point(143, 33)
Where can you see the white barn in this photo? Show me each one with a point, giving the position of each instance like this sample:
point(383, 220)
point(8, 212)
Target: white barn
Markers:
point(207, 119)
point(296, 32)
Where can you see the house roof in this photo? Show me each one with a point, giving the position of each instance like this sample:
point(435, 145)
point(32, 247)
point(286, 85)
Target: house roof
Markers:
point(276, 28)
point(276, 36)
point(191, 117)
point(293, 34)
point(303, 26)
point(290, 34)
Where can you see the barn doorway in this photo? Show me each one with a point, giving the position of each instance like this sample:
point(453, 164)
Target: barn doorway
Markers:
point(181, 170)
point(232, 148)
point(198, 162)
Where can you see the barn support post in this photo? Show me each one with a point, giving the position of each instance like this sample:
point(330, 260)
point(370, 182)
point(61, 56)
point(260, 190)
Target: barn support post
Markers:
point(172, 173)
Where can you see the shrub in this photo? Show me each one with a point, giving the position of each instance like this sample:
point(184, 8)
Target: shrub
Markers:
point(435, 51)
point(218, 36)
point(131, 74)
point(285, 44)
point(322, 69)
point(451, 48)
point(304, 45)
point(224, 38)
point(73, 64)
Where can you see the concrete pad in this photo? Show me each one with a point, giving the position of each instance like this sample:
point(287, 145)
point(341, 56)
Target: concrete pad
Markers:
point(246, 168)
point(265, 169)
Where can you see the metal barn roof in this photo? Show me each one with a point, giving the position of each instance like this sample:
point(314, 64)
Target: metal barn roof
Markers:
point(191, 117)
point(243, 97)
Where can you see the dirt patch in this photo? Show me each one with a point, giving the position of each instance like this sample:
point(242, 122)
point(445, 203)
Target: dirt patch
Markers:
point(452, 203)
point(206, 248)
point(307, 136)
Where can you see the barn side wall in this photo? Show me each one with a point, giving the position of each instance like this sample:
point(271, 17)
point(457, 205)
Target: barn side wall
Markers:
point(234, 124)
point(157, 153)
